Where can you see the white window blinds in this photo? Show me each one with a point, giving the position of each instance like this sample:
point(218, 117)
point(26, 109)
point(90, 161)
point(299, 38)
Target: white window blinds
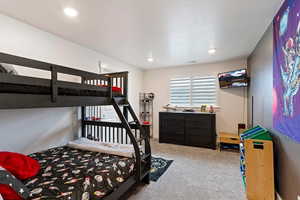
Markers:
point(193, 91)
point(180, 91)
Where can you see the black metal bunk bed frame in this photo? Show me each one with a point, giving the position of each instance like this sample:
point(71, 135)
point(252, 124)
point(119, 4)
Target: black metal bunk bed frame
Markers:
point(123, 132)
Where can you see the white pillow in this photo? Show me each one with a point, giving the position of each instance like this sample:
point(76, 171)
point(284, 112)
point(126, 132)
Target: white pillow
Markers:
point(124, 150)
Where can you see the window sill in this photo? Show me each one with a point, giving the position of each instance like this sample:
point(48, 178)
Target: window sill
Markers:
point(196, 108)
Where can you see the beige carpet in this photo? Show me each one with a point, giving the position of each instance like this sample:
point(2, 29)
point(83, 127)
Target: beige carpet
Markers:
point(195, 174)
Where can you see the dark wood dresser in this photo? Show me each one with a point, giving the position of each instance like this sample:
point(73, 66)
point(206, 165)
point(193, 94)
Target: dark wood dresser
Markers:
point(188, 128)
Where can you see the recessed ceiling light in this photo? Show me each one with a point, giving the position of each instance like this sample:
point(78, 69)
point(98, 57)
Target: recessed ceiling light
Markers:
point(71, 12)
point(212, 51)
point(150, 59)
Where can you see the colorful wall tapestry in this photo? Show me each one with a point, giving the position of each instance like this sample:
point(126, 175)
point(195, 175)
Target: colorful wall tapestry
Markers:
point(286, 72)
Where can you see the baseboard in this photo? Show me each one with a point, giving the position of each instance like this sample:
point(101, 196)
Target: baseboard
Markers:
point(278, 197)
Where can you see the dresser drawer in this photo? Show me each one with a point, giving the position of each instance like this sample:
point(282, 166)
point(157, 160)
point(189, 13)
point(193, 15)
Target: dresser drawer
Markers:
point(198, 122)
point(192, 129)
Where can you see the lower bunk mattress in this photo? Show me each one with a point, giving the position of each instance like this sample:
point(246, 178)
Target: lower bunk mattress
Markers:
point(68, 173)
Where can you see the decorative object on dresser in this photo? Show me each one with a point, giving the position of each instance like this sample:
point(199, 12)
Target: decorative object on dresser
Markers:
point(188, 128)
point(169, 108)
point(257, 163)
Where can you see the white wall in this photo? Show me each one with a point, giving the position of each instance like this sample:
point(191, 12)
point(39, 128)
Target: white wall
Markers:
point(232, 101)
point(32, 130)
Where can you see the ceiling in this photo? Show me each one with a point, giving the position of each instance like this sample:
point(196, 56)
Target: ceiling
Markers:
point(174, 32)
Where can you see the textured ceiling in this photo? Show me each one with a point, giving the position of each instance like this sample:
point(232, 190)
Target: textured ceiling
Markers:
point(174, 32)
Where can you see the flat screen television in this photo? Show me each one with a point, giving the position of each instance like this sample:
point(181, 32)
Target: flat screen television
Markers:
point(237, 78)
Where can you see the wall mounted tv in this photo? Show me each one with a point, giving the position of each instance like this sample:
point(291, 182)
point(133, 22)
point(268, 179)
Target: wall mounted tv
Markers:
point(237, 78)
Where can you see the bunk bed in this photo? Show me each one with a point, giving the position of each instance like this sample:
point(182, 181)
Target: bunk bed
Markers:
point(90, 91)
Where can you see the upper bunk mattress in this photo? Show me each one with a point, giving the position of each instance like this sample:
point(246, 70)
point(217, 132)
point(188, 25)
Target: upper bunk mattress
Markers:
point(30, 89)
point(68, 173)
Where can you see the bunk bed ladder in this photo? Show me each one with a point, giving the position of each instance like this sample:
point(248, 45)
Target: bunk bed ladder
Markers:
point(144, 160)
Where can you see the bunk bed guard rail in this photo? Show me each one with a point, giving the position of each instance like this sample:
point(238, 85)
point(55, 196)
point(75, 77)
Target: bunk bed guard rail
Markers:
point(88, 81)
point(118, 80)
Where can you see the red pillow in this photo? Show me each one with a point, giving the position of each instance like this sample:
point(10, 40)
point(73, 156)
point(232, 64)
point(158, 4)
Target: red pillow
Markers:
point(21, 166)
point(8, 193)
point(114, 88)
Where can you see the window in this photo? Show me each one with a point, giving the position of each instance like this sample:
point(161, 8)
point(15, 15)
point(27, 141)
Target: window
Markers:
point(193, 91)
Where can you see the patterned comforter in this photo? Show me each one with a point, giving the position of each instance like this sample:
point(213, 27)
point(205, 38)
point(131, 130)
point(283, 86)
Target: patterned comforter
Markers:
point(68, 173)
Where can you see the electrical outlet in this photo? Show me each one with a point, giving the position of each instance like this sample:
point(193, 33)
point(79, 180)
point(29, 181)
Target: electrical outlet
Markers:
point(298, 197)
